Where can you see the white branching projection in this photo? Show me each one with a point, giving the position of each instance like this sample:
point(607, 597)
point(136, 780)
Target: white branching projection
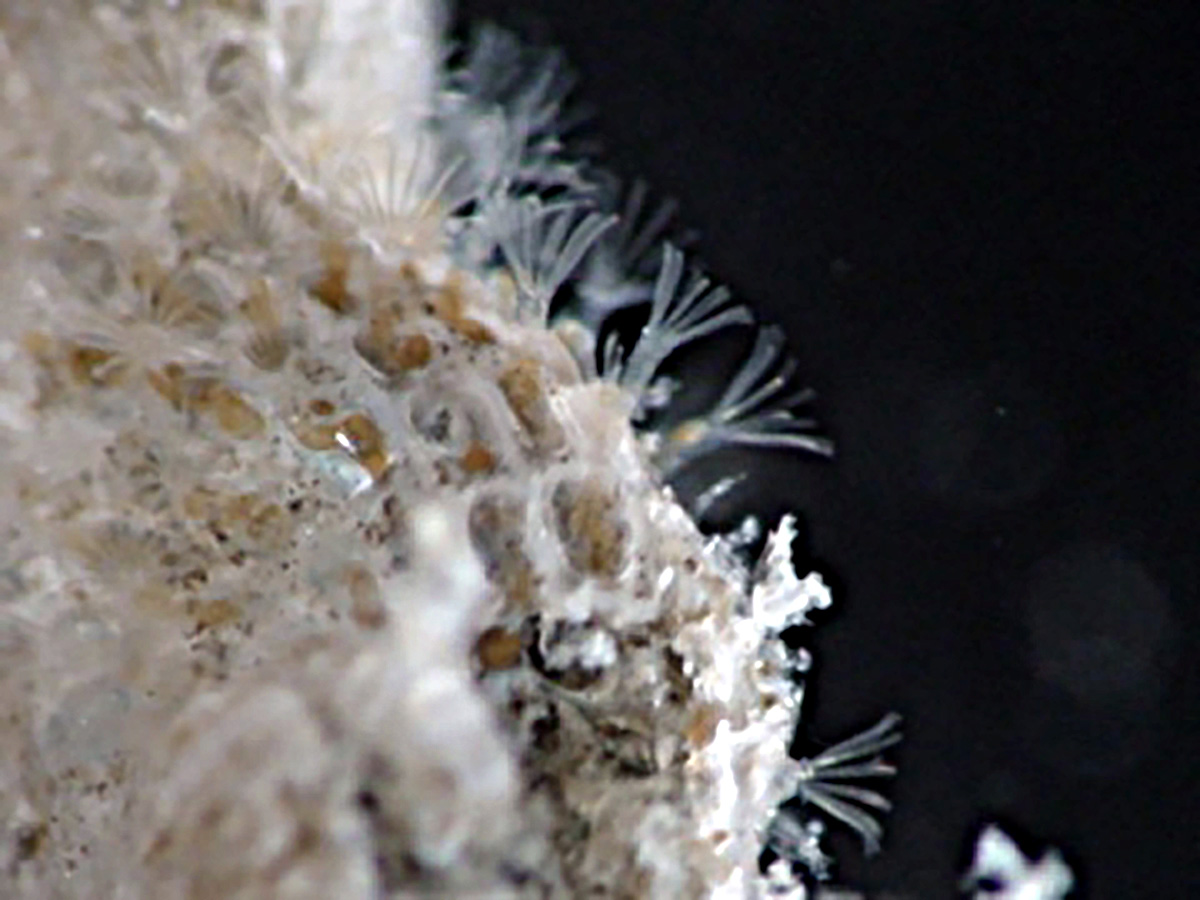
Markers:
point(335, 564)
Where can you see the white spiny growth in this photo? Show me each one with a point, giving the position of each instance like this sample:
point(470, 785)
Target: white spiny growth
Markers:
point(151, 77)
point(755, 410)
point(543, 244)
point(820, 779)
point(399, 200)
point(681, 311)
point(505, 110)
point(235, 213)
point(712, 495)
point(529, 84)
point(619, 270)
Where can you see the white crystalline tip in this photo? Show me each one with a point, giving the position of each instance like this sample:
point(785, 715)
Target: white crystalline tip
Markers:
point(780, 599)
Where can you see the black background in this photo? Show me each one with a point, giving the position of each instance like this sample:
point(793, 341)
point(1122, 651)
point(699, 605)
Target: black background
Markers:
point(978, 224)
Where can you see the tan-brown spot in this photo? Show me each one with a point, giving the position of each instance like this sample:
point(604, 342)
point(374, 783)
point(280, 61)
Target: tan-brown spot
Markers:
point(472, 330)
point(449, 305)
point(316, 437)
point(44, 351)
point(268, 346)
point(497, 529)
point(521, 384)
point(93, 366)
point(391, 354)
point(169, 383)
point(498, 648)
point(31, 841)
point(214, 613)
point(591, 526)
point(203, 394)
point(332, 288)
point(201, 503)
point(379, 342)
point(477, 459)
point(180, 299)
point(234, 415)
point(701, 726)
point(413, 351)
point(359, 436)
point(367, 608)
